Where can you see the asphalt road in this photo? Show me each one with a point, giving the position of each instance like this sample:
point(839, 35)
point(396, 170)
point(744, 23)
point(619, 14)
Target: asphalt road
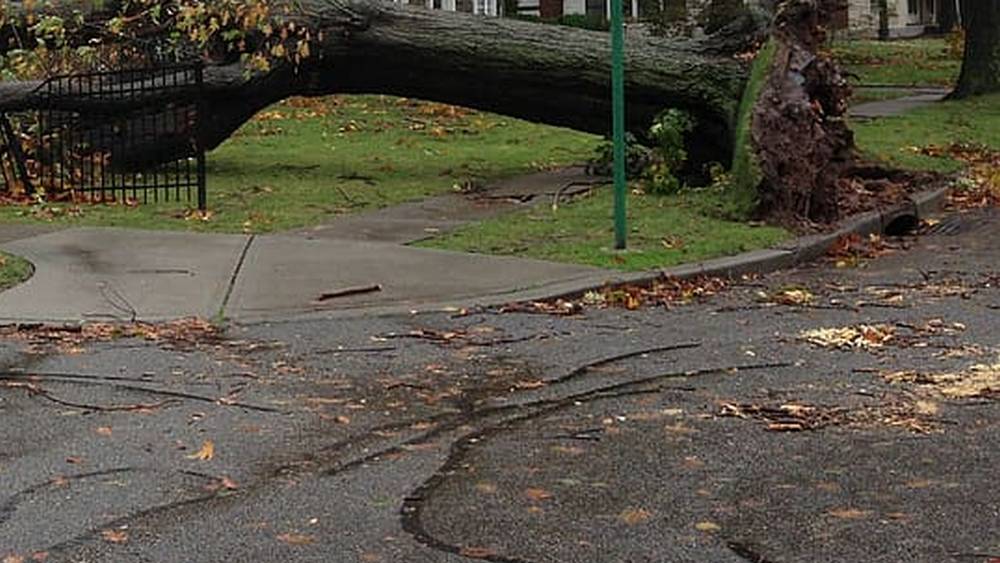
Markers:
point(706, 432)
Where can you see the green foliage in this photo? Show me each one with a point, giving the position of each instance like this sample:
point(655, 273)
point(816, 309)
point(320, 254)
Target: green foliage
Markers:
point(746, 176)
point(658, 165)
point(55, 42)
point(637, 158)
point(585, 21)
point(668, 131)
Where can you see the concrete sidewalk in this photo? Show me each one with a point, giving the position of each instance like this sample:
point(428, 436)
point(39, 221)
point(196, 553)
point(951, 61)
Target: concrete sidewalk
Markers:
point(116, 274)
point(915, 98)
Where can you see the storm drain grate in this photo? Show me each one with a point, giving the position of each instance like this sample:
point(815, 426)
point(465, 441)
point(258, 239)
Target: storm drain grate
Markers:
point(954, 225)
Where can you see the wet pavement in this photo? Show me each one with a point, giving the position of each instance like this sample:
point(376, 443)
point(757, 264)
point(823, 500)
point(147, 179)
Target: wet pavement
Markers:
point(710, 431)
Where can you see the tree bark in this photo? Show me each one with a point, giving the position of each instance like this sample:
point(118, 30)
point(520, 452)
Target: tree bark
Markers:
point(947, 17)
point(981, 65)
point(554, 75)
point(547, 74)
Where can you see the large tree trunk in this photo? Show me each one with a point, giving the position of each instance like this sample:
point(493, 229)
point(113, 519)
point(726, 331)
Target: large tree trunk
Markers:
point(981, 67)
point(543, 73)
point(554, 75)
point(947, 17)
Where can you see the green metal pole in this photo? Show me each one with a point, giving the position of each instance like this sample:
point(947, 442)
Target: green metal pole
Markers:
point(618, 119)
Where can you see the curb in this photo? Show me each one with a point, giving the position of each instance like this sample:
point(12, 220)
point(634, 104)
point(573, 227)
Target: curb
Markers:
point(792, 253)
point(905, 216)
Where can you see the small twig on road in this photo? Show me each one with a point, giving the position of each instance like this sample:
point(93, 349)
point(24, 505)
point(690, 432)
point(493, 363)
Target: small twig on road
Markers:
point(972, 555)
point(13, 380)
point(362, 350)
point(38, 391)
point(609, 360)
point(405, 385)
point(590, 435)
point(349, 291)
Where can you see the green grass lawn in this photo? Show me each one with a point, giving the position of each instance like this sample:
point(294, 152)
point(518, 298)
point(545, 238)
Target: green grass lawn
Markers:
point(897, 140)
point(904, 62)
point(304, 161)
point(13, 270)
point(664, 231)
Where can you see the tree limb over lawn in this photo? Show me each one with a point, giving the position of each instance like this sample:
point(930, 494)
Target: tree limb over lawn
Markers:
point(554, 75)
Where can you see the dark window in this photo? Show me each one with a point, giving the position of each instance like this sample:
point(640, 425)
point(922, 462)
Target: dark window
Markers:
point(595, 8)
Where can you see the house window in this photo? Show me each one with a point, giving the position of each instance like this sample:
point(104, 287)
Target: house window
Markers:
point(913, 6)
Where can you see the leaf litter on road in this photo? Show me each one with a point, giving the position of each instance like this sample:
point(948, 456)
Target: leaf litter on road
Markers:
point(862, 336)
point(977, 381)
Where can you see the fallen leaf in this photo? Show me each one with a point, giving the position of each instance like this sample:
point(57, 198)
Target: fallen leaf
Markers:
point(115, 536)
point(12, 558)
point(537, 495)
point(860, 336)
point(793, 297)
point(476, 552)
point(293, 538)
point(486, 488)
point(633, 516)
point(104, 430)
point(707, 526)
point(206, 452)
point(926, 408)
point(849, 513)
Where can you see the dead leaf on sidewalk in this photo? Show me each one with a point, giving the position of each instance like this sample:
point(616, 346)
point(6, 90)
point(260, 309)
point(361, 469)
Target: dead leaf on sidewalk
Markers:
point(206, 452)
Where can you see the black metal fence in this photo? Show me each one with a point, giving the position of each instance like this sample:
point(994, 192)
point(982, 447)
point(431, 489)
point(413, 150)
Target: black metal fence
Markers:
point(129, 136)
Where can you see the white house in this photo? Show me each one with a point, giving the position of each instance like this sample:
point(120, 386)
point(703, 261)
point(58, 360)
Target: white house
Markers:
point(556, 8)
point(907, 18)
point(480, 7)
point(540, 8)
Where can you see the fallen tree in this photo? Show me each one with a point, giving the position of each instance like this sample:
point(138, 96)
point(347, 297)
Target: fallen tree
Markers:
point(553, 75)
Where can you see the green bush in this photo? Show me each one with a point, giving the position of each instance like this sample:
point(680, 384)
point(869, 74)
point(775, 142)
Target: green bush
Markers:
point(593, 22)
point(656, 166)
point(588, 21)
point(637, 158)
point(668, 156)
